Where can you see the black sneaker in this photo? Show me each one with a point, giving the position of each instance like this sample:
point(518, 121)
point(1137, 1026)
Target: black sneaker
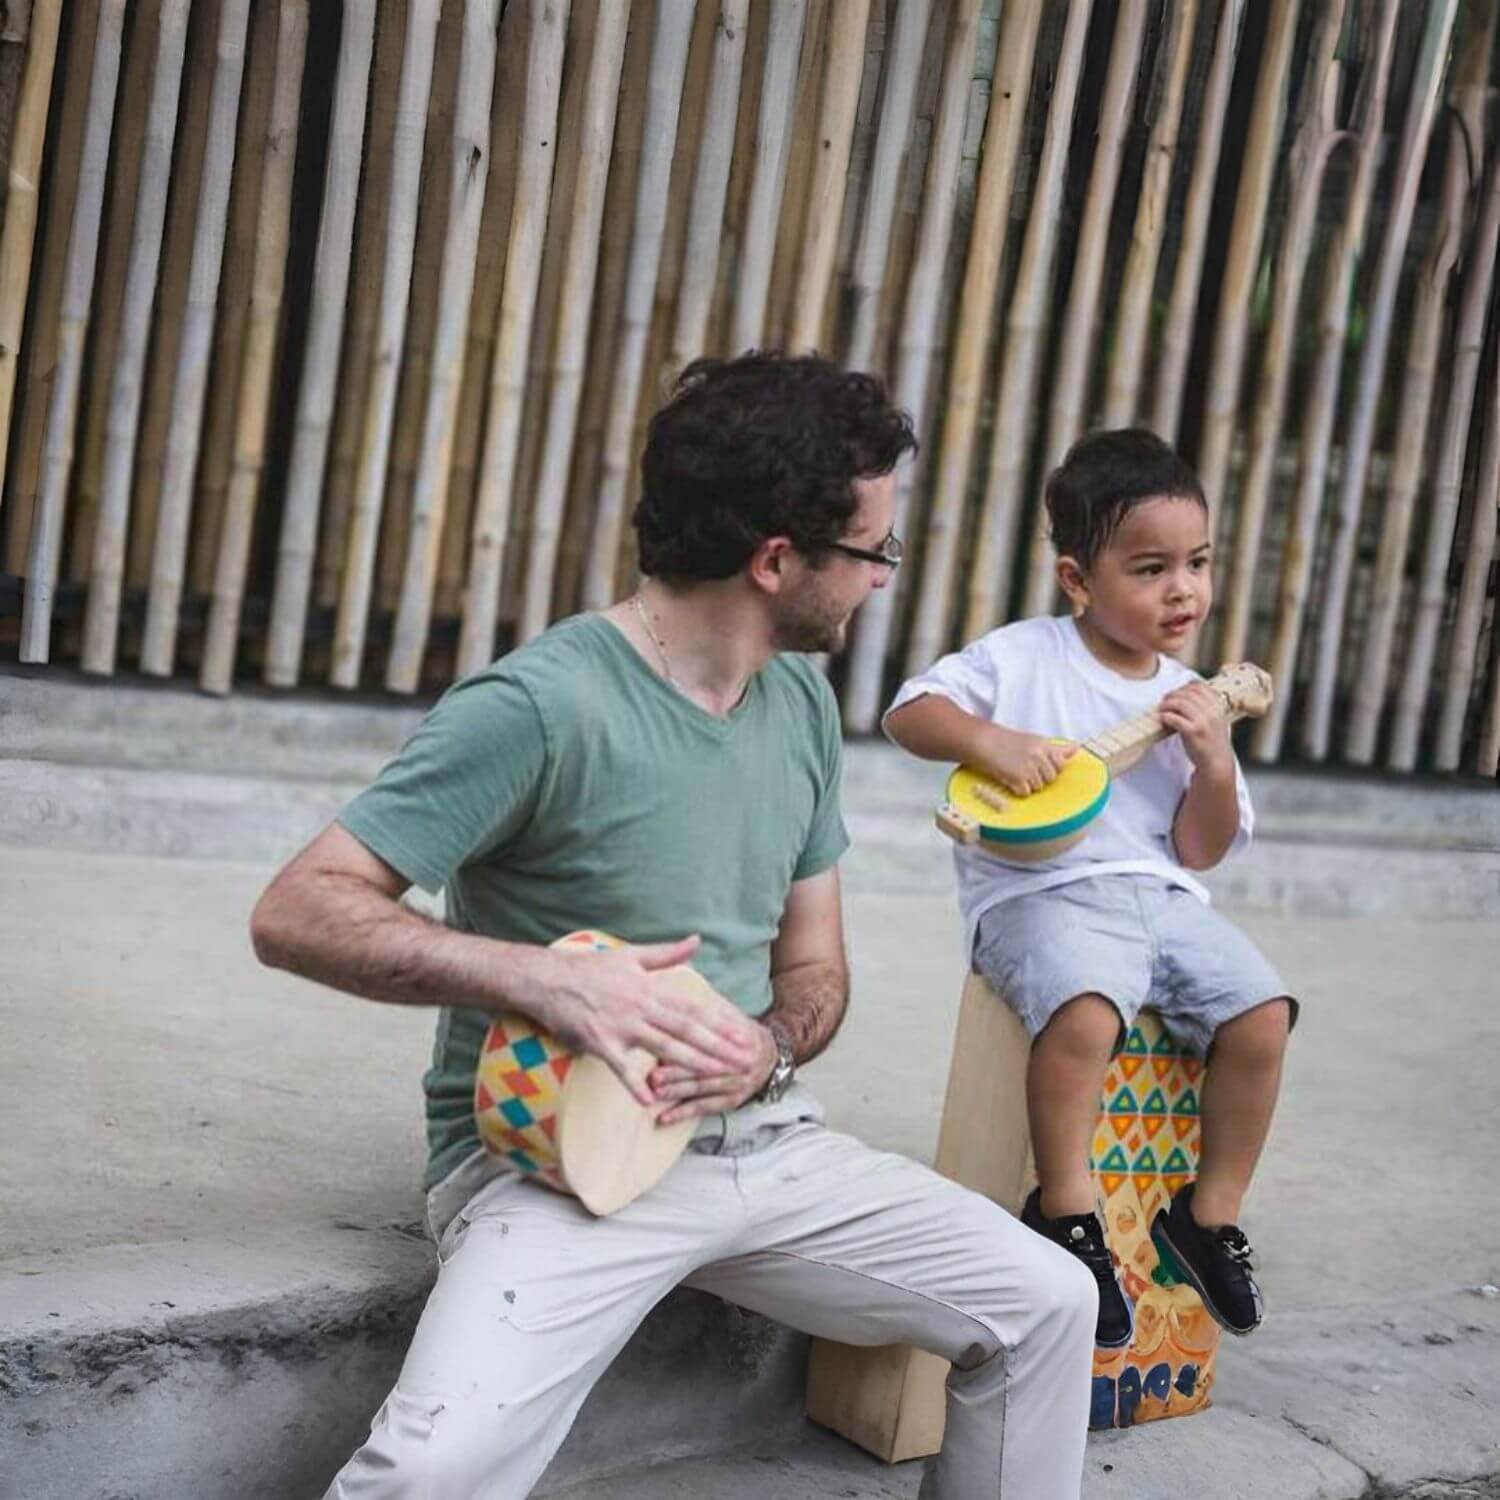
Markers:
point(1214, 1262)
point(1083, 1235)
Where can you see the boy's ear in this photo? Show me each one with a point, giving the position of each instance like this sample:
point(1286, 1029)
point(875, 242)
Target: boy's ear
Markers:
point(1073, 583)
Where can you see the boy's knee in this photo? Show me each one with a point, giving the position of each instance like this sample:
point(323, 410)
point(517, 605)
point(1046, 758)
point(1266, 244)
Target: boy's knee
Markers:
point(1255, 1038)
point(1086, 1024)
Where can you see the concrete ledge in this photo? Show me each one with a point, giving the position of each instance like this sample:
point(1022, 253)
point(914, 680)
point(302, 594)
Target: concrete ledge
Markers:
point(1296, 866)
point(220, 1370)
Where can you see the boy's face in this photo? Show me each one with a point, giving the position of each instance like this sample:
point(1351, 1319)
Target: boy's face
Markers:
point(1152, 585)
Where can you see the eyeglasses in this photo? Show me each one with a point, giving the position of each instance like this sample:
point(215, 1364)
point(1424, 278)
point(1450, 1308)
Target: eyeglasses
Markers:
point(887, 555)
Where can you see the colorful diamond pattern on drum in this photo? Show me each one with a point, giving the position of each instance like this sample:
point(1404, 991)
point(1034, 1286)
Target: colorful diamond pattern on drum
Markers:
point(1146, 1145)
point(519, 1085)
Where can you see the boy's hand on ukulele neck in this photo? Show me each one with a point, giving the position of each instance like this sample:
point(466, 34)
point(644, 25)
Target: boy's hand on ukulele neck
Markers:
point(1199, 717)
point(1021, 763)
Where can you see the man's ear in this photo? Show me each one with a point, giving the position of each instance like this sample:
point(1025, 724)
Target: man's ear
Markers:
point(767, 568)
point(1074, 583)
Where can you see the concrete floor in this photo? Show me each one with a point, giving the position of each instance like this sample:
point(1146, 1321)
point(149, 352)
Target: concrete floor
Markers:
point(156, 1083)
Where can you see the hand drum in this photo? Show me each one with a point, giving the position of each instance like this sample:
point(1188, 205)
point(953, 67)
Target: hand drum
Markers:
point(564, 1117)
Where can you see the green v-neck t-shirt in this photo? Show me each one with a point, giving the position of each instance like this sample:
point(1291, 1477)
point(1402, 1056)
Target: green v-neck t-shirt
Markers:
point(569, 786)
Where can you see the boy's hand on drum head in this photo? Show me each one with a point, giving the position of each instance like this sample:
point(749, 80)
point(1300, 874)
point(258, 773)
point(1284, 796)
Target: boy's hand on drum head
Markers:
point(607, 1003)
point(1022, 763)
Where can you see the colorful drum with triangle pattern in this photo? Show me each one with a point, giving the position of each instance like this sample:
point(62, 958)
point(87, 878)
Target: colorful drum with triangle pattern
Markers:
point(519, 1085)
point(1146, 1146)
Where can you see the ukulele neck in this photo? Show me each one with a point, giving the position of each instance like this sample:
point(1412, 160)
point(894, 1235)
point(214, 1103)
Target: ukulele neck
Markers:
point(1122, 745)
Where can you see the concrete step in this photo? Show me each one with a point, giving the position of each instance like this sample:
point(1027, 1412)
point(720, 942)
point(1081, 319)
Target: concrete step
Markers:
point(71, 719)
point(1330, 862)
point(246, 1368)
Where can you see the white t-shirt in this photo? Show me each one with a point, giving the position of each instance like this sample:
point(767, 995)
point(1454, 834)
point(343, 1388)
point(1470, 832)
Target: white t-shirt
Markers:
point(1038, 676)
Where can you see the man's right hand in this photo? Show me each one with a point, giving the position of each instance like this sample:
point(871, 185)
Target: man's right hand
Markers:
point(604, 1002)
point(1022, 763)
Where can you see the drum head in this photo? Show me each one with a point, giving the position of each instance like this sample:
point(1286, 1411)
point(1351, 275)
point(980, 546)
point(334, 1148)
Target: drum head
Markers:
point(1060, 808)
point(611, 1149)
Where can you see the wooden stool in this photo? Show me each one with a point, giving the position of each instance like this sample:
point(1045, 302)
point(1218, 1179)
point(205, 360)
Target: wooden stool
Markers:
point(890, 1400)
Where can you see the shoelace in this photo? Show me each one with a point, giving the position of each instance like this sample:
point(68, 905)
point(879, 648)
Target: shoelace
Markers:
point(1093, 1252)
point(1236, 1248)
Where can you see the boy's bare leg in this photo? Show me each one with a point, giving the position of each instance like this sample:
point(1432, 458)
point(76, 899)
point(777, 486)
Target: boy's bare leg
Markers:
point(1063, 1077)
point(1239, 1095)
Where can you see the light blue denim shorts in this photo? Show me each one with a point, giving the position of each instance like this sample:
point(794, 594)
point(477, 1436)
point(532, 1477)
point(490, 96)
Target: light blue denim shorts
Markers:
point(1137, 941)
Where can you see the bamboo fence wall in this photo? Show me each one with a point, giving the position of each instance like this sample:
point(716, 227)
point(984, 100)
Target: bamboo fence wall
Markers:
point(328, 331)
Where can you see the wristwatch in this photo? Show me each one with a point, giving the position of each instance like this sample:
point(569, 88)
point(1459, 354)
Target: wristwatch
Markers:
point(782, 1069)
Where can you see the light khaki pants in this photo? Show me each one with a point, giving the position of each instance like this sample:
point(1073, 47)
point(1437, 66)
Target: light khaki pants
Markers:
point(813, 1229)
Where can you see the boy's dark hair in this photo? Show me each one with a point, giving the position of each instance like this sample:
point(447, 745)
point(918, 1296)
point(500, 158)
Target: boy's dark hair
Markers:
point(1103, 478)
point(759, 446)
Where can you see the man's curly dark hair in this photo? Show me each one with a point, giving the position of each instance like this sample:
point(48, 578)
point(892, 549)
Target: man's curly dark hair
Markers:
point(759, 446)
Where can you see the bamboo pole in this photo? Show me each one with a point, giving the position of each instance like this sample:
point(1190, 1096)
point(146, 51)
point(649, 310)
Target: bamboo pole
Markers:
point(38, 314)
point(867, 277)
point(107, 573)
point(915, 347)
point(1237, 292)
point(320, 368)
point(470, 175)
point(1321, 404)
point(257, 369)
point(362, 312)
point(19, 233)
point(1465, 674)
point(805, 136)
point(583, 504)
point(700, 266)
point(1132, 322)
point(658, 378)
point(45, 549)
point(861, 152)
point(893, 272)
point(1075, 361)
point(1424, 338)
point(840, 98)
point(772, 142)
point(395, 292)
point(669, 54)
point(1442, 517)
point(15, 28)
point(573, 314)
point(220, 420)
point(173, 278)
point(1487, 763)
point(484, 309)
point(1426, 87)
point(175, 508)
point(966, 377)
point(507, 392)
point(741, 175)
point(126, 150)
point(541, 370)
point(421, 318)
point(1187, 277)
point(1314, 138)
point(1025, 324)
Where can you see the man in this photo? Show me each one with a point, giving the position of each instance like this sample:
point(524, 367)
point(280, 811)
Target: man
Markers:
point(661, 771)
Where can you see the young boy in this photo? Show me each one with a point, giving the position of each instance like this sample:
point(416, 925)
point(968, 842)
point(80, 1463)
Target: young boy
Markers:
point(1079, 944)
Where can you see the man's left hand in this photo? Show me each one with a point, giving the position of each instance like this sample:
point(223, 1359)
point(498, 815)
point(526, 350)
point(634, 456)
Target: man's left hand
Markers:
point(687, 1095)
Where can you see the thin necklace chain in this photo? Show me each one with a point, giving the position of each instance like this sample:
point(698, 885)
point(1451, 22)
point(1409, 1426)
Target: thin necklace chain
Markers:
point(656, 640)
